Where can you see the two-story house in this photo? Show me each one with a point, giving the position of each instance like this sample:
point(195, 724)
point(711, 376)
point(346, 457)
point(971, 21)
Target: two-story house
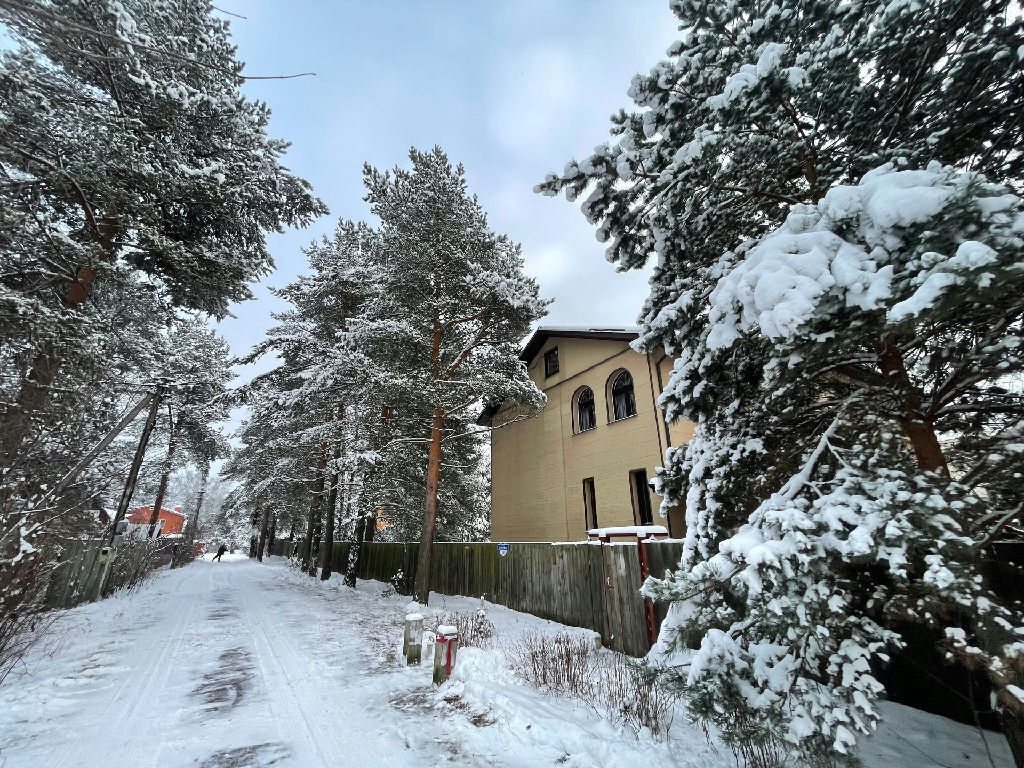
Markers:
point(587, 459)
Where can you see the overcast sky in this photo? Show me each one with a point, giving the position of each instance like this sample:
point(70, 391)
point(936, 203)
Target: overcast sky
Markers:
point(511, 89)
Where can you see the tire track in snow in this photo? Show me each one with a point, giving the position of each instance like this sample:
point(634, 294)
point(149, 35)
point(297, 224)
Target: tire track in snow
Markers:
point(278, 675)
point(152, 667)
point(338, 734)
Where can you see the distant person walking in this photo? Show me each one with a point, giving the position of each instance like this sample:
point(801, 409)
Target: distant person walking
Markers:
point(220, 552)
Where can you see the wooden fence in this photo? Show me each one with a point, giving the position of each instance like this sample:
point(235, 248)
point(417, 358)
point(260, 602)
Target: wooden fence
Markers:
point(582, 584)
point(73, 578)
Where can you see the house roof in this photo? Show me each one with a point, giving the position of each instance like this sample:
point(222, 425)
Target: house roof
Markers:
point(545, 332)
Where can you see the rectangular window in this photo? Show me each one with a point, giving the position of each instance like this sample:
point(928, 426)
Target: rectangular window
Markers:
point(589, 504)
point(642, 512)
point(551, 362)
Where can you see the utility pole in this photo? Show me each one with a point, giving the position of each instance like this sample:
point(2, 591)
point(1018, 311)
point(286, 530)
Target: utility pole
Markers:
point(107, 552)
point(140, 453)
point(165, 475)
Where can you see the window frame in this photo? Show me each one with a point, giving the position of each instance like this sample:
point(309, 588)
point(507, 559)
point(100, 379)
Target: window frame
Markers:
point(577, 421)
point(610, 395)
point(634, 492)
point(551, 354)
point(589, 509)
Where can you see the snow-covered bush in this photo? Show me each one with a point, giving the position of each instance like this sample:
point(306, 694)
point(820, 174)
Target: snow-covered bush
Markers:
point(475, 629)
point(569, 665)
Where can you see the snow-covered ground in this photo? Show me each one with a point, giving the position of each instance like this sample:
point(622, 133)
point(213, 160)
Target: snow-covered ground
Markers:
point(242, 665)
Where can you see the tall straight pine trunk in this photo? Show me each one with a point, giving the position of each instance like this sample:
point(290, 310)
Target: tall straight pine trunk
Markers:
point(314, 505)
point(262, 541)
point(187, 554)
point(317, 529)
point(421, 593)
point(272, 534)
point(327, 548)
point(355, 556)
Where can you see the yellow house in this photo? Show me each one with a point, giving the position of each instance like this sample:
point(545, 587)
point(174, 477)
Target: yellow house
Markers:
point(587, 459)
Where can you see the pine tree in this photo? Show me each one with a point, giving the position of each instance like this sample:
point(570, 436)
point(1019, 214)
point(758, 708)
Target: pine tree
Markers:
point(126, 146)
point(136, 184)
point(846, 314)
point(441, 335)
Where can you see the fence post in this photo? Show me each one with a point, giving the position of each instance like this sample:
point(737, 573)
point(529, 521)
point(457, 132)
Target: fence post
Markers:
point(445, 651)
point(412, 648)
point(105, 556)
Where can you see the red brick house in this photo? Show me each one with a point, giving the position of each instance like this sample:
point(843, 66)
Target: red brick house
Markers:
point(169, 521)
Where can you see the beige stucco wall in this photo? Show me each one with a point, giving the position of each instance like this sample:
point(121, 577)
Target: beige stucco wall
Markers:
point(538, 465)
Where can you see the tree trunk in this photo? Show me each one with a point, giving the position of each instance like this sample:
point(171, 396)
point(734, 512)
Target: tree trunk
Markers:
point(327, 549)
point(192, 530)
point(421, 592)
point(316, 546)
point(355, 557)
point(271, 535)
point(140, 453)
point(261, 543)
point(35, 387)
point(919, 429)
point(165, 474)
point(1013, 729)
point(314, 506)
point(371, 527)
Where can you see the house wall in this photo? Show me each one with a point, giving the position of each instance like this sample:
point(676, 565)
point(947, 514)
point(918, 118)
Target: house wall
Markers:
point(538, 464)
point(174, 522)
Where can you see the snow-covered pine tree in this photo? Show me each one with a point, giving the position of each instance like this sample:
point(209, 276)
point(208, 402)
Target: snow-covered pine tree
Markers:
point(453, 303)
point(846, 316)
point(125, 143)
point(197, 371)
point(135, 180)
point(319, 416)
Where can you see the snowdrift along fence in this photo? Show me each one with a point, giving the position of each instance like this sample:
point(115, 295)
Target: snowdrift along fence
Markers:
point(587, 585)
point(583, 584)
point(72, 579)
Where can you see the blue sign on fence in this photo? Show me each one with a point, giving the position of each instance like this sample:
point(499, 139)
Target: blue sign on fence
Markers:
point(503, 549)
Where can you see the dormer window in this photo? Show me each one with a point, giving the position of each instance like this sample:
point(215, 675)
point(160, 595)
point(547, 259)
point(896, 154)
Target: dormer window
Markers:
point(551, 362)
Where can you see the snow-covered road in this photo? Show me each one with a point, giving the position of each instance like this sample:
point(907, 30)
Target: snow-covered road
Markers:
point(247, 665)
point(218, 664)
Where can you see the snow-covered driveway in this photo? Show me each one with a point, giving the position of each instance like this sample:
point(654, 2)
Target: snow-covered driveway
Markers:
point(247, 665)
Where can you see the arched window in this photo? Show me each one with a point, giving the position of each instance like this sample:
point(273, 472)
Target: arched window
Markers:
point(586, 415)
point(623, 399)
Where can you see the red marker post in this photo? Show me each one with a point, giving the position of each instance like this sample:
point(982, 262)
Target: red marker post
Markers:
point(444, 652)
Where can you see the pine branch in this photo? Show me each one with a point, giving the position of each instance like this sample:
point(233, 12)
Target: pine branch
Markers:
point(14, 6)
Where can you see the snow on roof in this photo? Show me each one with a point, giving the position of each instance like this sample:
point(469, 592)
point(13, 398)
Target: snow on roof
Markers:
point(545, 332)
point(640, 531)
